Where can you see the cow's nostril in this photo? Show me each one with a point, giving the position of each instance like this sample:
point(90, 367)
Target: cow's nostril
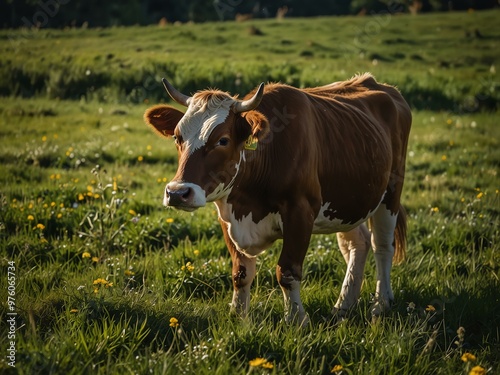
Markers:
point(178, 197)
point(187, 193)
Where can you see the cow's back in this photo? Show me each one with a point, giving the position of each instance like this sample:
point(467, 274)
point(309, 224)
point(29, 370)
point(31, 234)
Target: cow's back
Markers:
point(340, 143)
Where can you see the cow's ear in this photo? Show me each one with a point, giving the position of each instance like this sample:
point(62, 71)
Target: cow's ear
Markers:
point(163, 119)
point(258, 123)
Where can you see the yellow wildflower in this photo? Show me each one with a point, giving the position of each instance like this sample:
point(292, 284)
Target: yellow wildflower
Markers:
point(86, 255)
point(31, 217)
point(189, 267)
point(129, 273)
point(480, 195)
point(477, 370)
point(443, 158)
point(435, 209)
point(40, 226)
point(95, 259)
point(170, 220)
point(174, 322)
point(73, 311)
point(132, 212)
point(267, 365)
point(336, 368)
point(468, 357)
point(100, 281)
point(44, 138)
point(430, 308)
point(59, 215)
point(140, 158)
point(196, 252)
point(257, 362)
point(81, 197)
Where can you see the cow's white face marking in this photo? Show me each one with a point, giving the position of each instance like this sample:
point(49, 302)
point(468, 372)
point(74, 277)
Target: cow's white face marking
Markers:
point(201, 118)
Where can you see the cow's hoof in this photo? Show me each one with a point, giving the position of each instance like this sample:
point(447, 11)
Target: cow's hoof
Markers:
point(379, 309)
point(339, 315)
point(301, 320)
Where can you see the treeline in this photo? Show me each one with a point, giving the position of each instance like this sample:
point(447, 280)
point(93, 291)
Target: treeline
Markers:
point(98, 13)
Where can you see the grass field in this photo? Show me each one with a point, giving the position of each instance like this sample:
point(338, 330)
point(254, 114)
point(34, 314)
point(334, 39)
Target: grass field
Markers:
point(107, 281)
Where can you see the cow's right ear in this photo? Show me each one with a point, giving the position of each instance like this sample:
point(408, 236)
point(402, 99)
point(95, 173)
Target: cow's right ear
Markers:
point(163, 119)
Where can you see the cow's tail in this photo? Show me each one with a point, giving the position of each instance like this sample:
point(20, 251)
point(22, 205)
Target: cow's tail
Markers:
point(400, 237)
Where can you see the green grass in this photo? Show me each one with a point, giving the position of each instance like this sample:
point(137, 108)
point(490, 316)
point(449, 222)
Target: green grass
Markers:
point(435, 59)
point(56, 205)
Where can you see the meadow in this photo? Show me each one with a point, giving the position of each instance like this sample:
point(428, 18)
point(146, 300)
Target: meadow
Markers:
point(105, 280)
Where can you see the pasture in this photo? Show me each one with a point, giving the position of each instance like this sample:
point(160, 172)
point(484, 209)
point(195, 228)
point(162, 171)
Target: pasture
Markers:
point(107, 281)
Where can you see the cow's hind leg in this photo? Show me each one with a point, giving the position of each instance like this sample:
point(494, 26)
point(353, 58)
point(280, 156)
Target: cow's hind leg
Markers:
point(354, 246)
point(383, 224)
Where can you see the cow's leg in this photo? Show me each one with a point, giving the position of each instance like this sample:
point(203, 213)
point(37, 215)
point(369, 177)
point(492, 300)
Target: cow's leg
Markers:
point(297, 229)
point(354, 246)
point(243, 273)
point(383, 224)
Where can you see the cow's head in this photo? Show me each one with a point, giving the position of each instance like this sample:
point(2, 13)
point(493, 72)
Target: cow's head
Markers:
point(210, 139)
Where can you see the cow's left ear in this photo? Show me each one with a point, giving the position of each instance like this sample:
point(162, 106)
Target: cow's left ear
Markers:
point(163, 119)
point(258, 123)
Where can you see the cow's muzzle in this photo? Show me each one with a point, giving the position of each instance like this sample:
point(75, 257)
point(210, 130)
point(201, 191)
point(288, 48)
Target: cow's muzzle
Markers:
point(184, 196)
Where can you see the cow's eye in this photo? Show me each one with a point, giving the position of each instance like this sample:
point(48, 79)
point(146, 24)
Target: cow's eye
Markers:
point(223, 142)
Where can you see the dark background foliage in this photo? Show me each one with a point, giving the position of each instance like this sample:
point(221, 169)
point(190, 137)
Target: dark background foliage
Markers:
point(98, 13)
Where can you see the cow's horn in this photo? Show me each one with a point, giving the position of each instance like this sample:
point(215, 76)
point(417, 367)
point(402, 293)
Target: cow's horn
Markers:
point(178, 96)
point(252, 103)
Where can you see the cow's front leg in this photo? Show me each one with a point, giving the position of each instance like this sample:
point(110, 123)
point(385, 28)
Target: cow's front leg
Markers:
point(354, 246)
point(243, 273)
point(297, 228)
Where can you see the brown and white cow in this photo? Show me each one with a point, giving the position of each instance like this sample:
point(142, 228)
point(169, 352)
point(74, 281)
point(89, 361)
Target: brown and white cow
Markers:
point(287, 163)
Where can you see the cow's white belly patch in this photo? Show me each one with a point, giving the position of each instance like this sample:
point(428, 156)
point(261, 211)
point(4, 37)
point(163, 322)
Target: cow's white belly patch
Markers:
point(250, 237)
point(324, 225)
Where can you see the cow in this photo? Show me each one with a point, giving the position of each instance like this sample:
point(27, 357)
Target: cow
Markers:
point(286, 163)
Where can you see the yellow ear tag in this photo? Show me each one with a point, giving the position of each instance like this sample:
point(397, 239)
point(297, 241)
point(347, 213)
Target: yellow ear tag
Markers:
point(251, 143)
